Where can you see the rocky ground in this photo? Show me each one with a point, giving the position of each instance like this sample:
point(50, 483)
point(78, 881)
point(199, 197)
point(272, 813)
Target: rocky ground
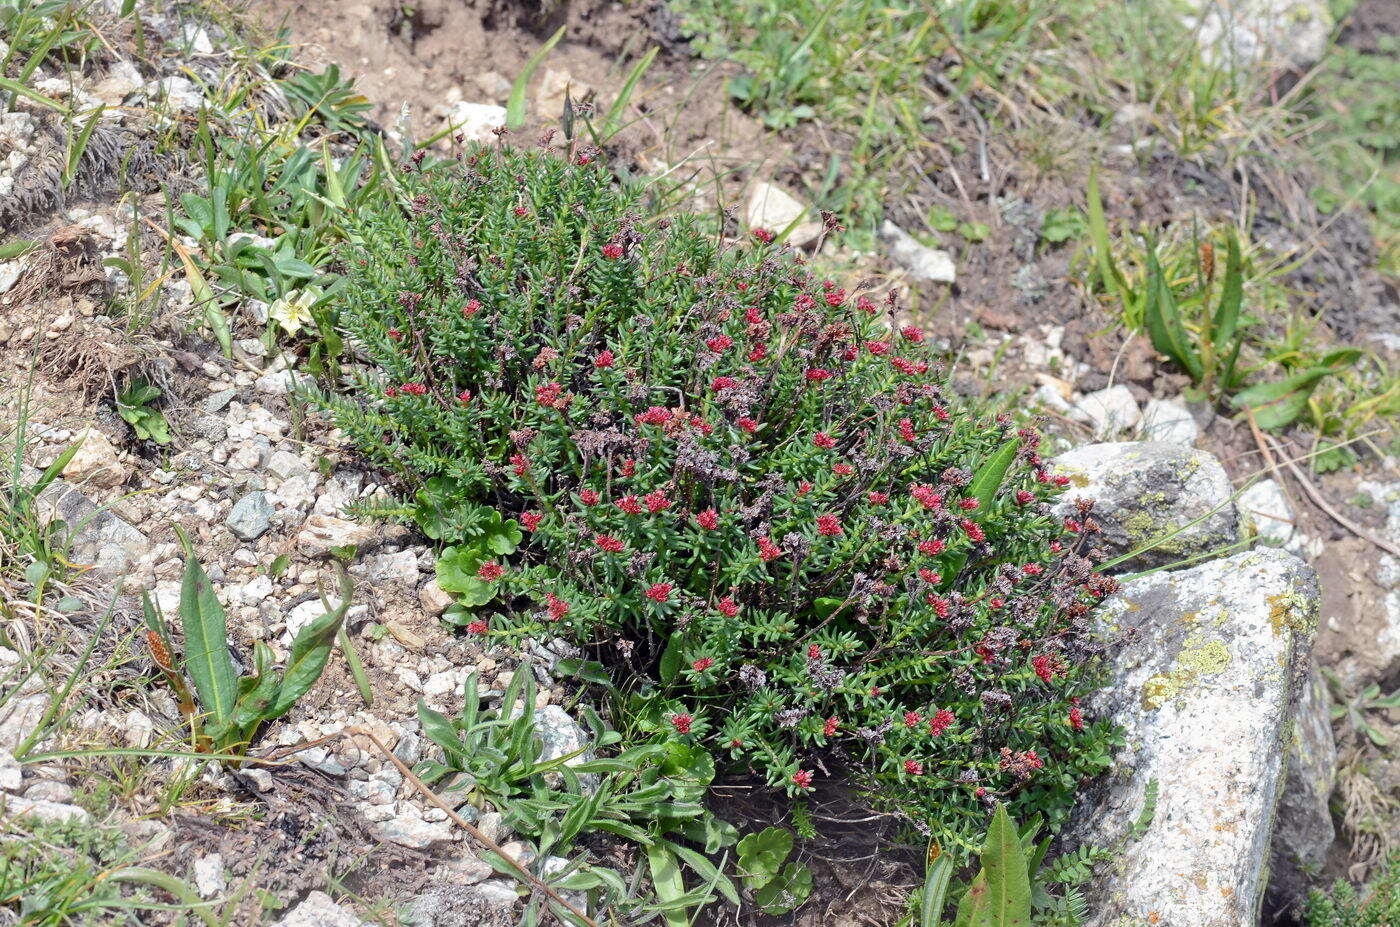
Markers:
point(267, 493)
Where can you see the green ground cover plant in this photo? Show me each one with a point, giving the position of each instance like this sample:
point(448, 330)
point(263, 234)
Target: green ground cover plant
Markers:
point(734, 483)
point(1377, 905)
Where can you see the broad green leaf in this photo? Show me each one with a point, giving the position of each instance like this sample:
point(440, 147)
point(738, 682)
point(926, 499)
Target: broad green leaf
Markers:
point(707, 871)
point(990, 477)
point(940, 871)
point(761, 855)
point(1162, 318)
point(671, 658)
point(666, 880)
point(310, 652)
point(1280, 402)
point(787, 891)
point(1000, 896)
point(456, 573)
point(205, 627)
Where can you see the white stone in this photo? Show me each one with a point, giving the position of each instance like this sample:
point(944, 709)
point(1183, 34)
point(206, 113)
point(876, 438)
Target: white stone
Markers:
point(433, 599)
point(396, 567)
point(11, 773)
point(1110, 411)
point(1204, 688)
point(774, 209)
point(1264, 508)
point(122, 81)
point(1151, 493)
point(1246, 34)
point(284, 465)
point(549, 96)
point(1164, 420)
point(410, 830)
point(10, 272)
point(97, 462)
point(209, 875)
point(48, 811)
point(1050, 398)
point(305, 613)
point(318, 910)
point(922, 262)
point(321, 534)
point(180, 93)
point(474, 121)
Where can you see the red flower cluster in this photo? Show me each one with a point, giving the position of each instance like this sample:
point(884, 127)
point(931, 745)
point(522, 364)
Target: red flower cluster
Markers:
point(660, 592)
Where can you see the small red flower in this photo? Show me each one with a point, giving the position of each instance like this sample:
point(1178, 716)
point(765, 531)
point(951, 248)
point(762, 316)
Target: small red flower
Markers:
point(472, 307)
point(660, 592)
point(912, 718)
point(395, 334)
point(719, 384)
point(478, 626)
point(763, 235)
point(520, 463)
point(1060, 480)
point(708, 519)
point(878, 348)
point(588, 496)
point(969, 504)
point(817, 374)
point(612, 251)
point(912, 333)
point(767, 550)
point(814, 652)
point(1024, 496)
point(878, 498)
point(630, 504)
point(727, 607)
point(829, 525)
point(941, 720)
point(932, 547)
point(719, 343)
point(413, 389)
point(940, 606)
point(906, 430)
point(830, 727)
point(604, 359)
point(1076, 719)
point(1047, 667)
point(490, 571)
point(914, 767)
point(629, 467)
point(757, 353)
point(531, 520)
point(972, 530)
point(682, 723)
point(822, 439)
point(655, 415)
point(748, 424)
point(843, 469)
point(391, 392)
point(609, 544)
point(802, 779)
point(656, 501)
point(933, 577)
point(926, 496)
point(558, 608)
point(1032, 569)
point(702, 664)
point(521, 211)
point(803, 487)
point(865, 304)
point(465, 396)
point(835, 297)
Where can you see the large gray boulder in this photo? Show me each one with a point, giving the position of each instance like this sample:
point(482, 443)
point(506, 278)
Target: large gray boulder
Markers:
point(1303, 831)
point(1263, 33)
point(1151, 491)
point(1204, 686)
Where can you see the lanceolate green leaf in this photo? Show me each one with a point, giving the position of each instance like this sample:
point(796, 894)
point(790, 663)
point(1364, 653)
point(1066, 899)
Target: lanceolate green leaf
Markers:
point(206, 640)
point(989, 479)
point(1227, 315)
point(1162, 318)
point(1000, 896)
point(666, 879)
point(310, 651)
point(940, 871)
point(515, 106)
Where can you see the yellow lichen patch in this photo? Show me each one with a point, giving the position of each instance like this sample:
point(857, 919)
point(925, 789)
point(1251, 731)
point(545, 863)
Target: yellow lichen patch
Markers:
point(1199, 658)
point(1288, 611)
point(1079, 480)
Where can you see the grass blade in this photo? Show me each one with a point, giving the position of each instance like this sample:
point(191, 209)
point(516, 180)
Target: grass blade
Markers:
point(76, 149)
point(940, 872)
point(614, 117)
point(515, 106)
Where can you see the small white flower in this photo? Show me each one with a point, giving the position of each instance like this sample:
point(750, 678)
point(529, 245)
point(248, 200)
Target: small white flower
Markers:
point(293, 311)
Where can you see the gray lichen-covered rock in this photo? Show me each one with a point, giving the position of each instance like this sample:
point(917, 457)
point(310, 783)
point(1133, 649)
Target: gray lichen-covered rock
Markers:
point(1273, 33)
point(560, 735)
point(1147, 491)
point(1303, 831)
point(1204, 686)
